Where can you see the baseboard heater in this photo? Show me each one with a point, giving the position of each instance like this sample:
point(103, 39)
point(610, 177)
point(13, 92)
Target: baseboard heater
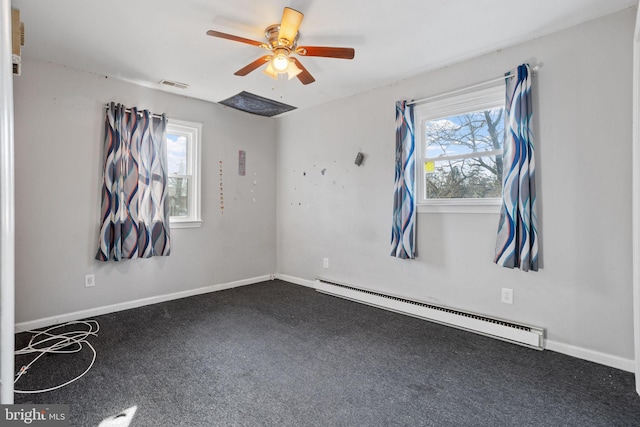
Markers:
point(526, 335)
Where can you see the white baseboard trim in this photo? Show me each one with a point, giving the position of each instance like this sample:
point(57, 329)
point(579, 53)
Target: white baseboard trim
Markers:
point(98, 311)
point(297, 280)
point(567, 349)
point(592, 356)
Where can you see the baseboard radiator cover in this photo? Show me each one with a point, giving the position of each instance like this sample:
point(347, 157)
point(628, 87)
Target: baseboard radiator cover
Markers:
point(526, 335)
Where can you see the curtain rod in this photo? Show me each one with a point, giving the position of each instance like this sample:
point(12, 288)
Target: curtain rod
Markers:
point(129, 110)
point(451, 92)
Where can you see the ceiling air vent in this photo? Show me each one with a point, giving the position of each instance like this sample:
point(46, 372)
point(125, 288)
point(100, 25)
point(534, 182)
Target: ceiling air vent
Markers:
point(254, 104)
point(174, 84)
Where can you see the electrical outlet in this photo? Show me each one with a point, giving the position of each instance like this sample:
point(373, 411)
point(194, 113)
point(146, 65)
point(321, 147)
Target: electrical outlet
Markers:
point(89, 280)
point(325, 262)
point(507, 296)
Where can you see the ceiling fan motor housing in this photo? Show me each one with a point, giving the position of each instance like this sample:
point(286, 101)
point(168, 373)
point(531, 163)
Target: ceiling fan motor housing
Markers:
point(272, 34)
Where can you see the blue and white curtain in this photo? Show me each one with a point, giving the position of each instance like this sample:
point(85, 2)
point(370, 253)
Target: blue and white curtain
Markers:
point(517, 241)
point(404, 213)
point(134, 219)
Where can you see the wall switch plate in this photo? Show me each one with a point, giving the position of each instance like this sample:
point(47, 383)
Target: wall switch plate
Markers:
point(89, 280)
point(325, 262)
point(507, 296)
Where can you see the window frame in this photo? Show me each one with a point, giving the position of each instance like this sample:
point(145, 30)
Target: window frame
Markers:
point(193, 132)
point(442, 107)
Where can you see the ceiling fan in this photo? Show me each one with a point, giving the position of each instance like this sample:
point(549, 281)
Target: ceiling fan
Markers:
point(282, 42)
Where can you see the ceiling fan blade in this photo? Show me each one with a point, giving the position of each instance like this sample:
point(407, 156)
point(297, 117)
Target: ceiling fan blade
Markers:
point(305, 77)
point(291, 20)
point(326, 52)
point(234, 38)
point(255, 64)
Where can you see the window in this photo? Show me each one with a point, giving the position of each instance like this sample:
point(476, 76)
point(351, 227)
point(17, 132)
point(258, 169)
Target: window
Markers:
point(183, 159)
point(459, 152)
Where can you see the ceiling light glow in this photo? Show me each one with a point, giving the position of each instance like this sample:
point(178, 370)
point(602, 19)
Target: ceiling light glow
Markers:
point(280, 62)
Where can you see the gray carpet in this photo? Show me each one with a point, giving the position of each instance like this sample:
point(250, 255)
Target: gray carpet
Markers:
point(277, 354)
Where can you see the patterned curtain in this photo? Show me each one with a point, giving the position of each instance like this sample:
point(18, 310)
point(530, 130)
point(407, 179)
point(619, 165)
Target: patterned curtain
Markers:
point(135, 208)
point(517, 241)
point(403, 228)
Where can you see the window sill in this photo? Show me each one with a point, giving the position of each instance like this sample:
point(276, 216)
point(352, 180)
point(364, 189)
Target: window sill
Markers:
point(461, 206)
point(185, 223)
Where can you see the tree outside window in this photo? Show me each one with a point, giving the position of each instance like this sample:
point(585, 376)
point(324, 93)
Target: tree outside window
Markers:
point(464, 155)
point(459, 142)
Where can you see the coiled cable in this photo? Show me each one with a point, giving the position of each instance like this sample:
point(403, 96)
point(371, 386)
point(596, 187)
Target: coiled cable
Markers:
point(49, 342)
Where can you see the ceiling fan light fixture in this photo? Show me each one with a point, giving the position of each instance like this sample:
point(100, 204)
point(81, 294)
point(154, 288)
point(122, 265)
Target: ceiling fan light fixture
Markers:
point(290, 68)
point(280, 61)
point(269, 71)
point(293, 70)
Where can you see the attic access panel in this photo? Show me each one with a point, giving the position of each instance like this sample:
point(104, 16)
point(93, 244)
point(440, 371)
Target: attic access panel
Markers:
point(254, 104)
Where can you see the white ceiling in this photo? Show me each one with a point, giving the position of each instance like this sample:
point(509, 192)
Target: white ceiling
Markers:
point(144, 41)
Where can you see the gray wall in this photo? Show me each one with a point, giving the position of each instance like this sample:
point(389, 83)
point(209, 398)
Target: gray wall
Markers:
point(583, 293)
point(58, 146)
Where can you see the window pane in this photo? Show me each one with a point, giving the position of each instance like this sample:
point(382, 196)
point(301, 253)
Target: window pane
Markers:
point(178, 196)
point(177, 154)
point(451, 169)
point(474, 177)
point(472, 132)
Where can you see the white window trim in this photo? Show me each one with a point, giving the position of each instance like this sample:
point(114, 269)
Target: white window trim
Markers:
point(464, 206)
point(194, 150)
point(446, 107)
